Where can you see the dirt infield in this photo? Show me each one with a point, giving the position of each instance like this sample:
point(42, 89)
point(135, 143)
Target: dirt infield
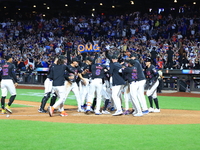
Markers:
point(166, 116)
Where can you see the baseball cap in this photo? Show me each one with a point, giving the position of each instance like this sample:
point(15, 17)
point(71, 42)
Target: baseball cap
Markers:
point(132, 62)
point(148, 59)
point(75, 59)
point(114, 57)
point(8, 57)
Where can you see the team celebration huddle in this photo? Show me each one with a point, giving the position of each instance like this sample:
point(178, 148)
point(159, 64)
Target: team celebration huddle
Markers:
point(102, 78)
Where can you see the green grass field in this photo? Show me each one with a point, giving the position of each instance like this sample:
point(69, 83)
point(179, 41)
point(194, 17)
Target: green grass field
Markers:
point(35, 135)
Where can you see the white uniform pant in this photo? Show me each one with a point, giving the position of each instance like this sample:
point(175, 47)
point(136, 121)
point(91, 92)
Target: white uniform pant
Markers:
point(153, 90)
point(141, 96)
point(60, 91)
point(95, 86)
point(74, 88)
point(134, 86)
point(7, 85)
point(48, 85)
point(116, 90)
point(127, 96)
point(84, 89)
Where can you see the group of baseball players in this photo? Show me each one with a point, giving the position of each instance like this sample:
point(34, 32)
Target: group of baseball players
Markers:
point(93, 82)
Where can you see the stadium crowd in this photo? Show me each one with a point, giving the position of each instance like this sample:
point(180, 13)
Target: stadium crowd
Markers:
point(171, 41)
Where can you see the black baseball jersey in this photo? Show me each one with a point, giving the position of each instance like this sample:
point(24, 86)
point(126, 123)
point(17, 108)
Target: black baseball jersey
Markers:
point(114, 72)
point(49, 70)
point(57, 74)
point(73, 71)
point(140, 72)
point(151, 73)
point(98, 71)
point(8, 71)
point(87, 70)
point(131, 73)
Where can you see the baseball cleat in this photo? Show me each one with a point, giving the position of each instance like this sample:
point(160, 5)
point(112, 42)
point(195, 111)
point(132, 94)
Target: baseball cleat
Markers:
point(151, 110)
point(156, 110)
point(50, 109)
point(42, 111)
point(145, 112)
point(138, 115)
point(126, 112)
point(62, 114)
point(118, 112)
point(81, 110)
point(105, 112)
point(8, 109)
point(3, 111)
point(98, 113)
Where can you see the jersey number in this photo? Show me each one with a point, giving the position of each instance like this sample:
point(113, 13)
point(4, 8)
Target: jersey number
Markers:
point(5, 71)
point(98, 71)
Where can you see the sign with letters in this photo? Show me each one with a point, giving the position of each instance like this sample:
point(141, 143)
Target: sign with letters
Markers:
point(88, 48)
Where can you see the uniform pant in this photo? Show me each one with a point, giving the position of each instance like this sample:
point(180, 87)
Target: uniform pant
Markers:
point(7, 85)
point(74, 88)
point(126, 96)
point(84, 89)
point(141, 96)
point(116, 90)
point(60, 91)
point(47, 85)
point(134, 86)
point(95, 86)
point(153, 90)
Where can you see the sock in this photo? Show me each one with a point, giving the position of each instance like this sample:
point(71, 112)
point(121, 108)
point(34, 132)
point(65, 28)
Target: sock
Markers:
point(3, 102)
point(156, 102)
point(12, 98)
point(94, 103)
point(106, 104)
point(150, 101)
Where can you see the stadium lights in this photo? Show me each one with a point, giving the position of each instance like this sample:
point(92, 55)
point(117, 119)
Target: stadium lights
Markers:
point(132, 2)
point(4, 7)
point(66, 5)
point(93, 9)
point(175, 1)
point(194, 3)
point(19, 9)
point(43, 15)
point(44, 4)
point(84, 2)
point(48, 7)
point(113, 6)
point(101, 4)
point(34, 5)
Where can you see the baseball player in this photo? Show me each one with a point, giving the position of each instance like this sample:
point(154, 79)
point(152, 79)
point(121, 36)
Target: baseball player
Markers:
point(141, 82)
point(117, 83)
point(98, 73)
point(84, 85)
point(47, 90)
point(57, 74)
point(152, 81)
point(71, 83)
point(8, 83)
point(132, 76)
